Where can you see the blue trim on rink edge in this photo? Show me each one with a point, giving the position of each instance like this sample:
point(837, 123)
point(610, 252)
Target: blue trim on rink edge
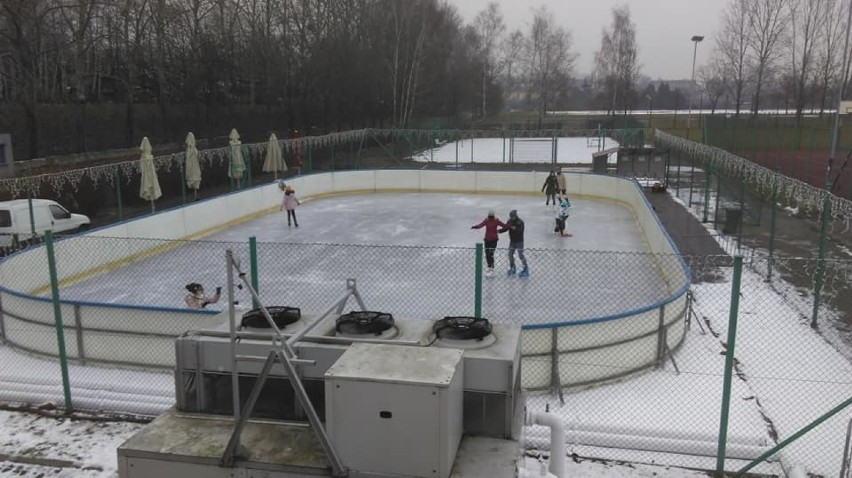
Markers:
point(656, 305)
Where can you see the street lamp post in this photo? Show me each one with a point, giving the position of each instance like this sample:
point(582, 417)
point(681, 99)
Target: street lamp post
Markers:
point(696, 40)
point(649, 109)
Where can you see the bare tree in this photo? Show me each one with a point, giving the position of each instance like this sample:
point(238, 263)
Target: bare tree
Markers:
point(550, 59)
point(714, 82)
point(409, 35)
point(512, 51)
point(828, 56)
point(489, 28)
point(807, 21)
point(767, 20)
point(732, 48)
point(616, 63)
point(32, 57)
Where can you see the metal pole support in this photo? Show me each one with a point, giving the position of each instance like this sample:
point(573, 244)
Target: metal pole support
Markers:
point(57, 318)
point(729, 366)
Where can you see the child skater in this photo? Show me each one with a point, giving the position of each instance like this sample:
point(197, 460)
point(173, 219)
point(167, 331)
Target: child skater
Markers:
point(290, 202)
point(564, 205)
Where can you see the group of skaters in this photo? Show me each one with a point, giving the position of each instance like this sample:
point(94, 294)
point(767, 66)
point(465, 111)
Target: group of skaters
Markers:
point(554, 189)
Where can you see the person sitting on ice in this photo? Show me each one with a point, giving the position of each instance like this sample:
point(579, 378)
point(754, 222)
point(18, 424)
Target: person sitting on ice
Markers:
point(564, 205)
point(197, 299)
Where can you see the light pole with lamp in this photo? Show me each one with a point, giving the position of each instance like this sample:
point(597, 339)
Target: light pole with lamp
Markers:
point(695, 39)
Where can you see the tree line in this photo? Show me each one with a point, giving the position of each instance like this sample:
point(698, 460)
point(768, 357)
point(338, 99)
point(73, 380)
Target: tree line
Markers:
point(778, 53)
point(326, 64)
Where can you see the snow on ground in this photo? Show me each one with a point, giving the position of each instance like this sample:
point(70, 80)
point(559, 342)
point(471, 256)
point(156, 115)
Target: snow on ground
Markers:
point(24, 378)
point(38, 446)
point(526, 150)
point(795, 373)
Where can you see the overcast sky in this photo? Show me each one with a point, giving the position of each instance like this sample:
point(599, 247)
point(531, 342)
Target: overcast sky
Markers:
point(663, 28)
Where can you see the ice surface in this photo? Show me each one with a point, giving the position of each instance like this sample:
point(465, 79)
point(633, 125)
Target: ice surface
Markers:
point(413, 255)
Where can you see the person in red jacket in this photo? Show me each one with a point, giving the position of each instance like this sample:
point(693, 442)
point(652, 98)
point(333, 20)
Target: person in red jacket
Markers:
point(491, 224)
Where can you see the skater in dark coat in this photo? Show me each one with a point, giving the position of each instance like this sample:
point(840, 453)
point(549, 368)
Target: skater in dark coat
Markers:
point(550, 188)
point(515, 227)
point(491, 224)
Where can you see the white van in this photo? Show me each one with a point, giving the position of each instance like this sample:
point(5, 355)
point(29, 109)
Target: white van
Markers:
point(15, 219)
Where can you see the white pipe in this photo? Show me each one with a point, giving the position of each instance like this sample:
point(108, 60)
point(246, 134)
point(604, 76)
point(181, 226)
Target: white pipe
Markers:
point(557, 439)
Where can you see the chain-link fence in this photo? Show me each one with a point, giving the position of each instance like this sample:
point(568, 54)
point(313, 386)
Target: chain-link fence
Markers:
point(590, 317)
point(125, 309)
point(610, 341)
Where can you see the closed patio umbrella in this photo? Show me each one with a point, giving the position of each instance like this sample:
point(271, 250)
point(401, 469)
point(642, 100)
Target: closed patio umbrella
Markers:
point(274, 161)
point(238, 166)
point(149, 186)
point(192, 166)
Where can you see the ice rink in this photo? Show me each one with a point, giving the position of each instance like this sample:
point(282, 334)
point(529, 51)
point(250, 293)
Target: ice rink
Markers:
point(526, 150)
point(413, 254)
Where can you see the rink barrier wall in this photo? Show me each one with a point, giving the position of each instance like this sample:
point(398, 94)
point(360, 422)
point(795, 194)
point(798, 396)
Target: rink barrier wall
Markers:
point(618, 344)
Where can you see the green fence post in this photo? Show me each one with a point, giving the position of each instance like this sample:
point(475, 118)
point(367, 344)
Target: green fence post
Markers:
point(554, 146)
point(742, 213)
point(820, 269)
point(774, 206)
point(310, 157)
point(458, 138)
point(332, 156)
point(729, 366)
point(30, 207)
point(57, 319)
point(677, 183)
point(477, 305)
point(708, 176)
point(182, 184)
point(503, 138)
point(118, 194)
point(247, 154)
point(718, 197)
point(795, 436)
point(431, 147)
point(472, 134)
point(358, 154)
point(691, 183)
point(253, 261)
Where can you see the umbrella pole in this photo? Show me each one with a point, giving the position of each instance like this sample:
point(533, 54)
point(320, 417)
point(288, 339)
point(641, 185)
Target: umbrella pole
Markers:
point(152, 206)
